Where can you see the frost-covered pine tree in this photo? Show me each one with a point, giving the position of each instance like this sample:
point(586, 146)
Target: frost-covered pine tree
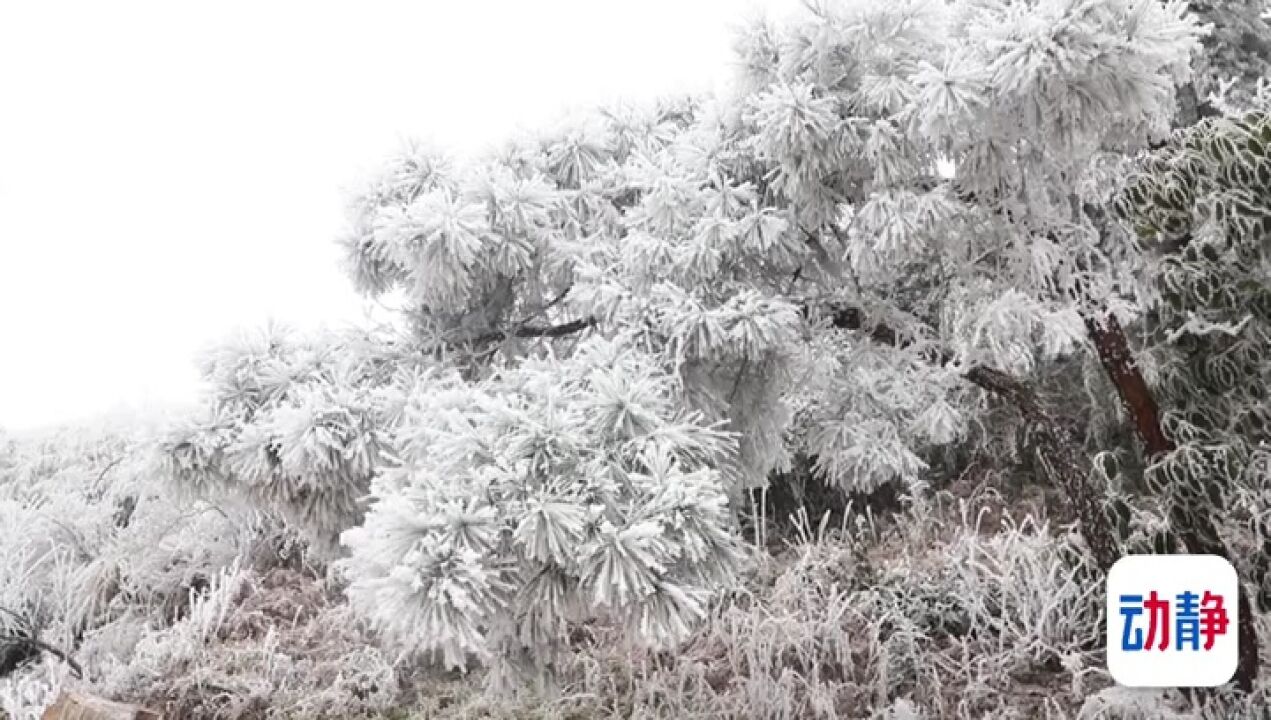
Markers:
point(613, 330)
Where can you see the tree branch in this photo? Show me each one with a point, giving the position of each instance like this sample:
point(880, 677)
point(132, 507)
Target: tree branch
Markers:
point(45, 647)
point(1052, 445)
point(537, 331)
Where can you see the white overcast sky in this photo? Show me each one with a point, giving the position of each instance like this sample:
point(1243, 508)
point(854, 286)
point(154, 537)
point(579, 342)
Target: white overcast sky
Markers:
point(170, 172)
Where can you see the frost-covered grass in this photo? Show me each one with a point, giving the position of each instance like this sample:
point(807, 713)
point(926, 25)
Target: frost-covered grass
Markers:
point(203, 609)
point(928, 617)
point(960, 606)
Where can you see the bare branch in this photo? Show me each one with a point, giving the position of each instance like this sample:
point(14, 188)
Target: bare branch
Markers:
point(45, 647)
point(537, 331)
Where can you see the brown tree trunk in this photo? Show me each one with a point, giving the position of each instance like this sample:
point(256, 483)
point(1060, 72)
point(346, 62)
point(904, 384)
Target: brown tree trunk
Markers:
point(1188, 517)
point(1118, 361)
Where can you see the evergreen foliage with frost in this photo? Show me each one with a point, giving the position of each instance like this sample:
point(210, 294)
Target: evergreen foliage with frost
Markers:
point(613, 331)
point(296, 426)
point(545, 495)
point(708, 239)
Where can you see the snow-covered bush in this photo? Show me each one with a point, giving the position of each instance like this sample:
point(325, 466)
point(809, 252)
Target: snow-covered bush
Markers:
point(90, 538)
point(547, 494)
point(138, 593)
point(295, 427)
point(1199, 205)
point(252, 645)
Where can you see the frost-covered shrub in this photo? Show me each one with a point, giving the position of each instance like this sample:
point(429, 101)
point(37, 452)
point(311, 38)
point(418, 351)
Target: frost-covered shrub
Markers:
point(127, 584)
point(88, 531)
point(1199, 205)
point(294, 427)
point(550, 493)
point(92, 543)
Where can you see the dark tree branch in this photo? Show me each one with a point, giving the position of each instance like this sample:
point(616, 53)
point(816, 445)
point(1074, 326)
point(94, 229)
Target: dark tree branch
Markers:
point(537, 331)
point(1053, 447)
point(45, 647)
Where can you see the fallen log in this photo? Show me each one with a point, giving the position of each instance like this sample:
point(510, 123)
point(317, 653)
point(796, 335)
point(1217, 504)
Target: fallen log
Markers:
point(77, 706)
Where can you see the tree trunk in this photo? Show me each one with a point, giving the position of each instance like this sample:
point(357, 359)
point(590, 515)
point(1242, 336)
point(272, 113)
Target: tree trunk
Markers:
point(1189, 517)
point(1118, 361)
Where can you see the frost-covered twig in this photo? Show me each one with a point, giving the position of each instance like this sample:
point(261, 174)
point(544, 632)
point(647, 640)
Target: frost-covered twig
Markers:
point(45, 647)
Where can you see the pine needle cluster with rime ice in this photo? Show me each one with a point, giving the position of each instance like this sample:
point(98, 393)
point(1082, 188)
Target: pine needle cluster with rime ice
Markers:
point(540, 497)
